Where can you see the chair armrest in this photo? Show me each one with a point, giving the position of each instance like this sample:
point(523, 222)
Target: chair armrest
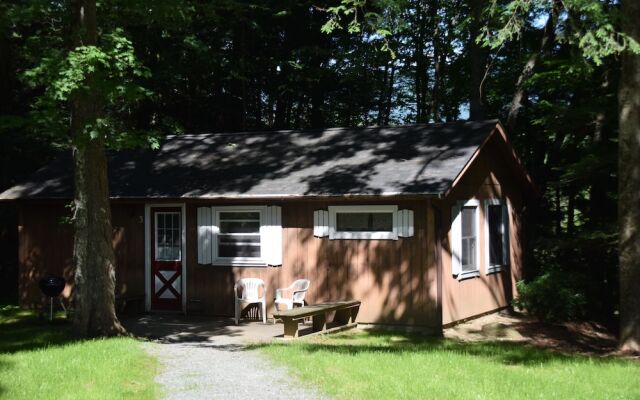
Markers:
point(235, 290)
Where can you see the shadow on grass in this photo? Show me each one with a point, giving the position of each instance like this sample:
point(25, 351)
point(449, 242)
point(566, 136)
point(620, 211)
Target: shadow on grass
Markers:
point(506, 353)
point(23, 330)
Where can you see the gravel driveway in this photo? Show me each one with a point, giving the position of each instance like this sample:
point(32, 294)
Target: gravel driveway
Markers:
point(212, 362)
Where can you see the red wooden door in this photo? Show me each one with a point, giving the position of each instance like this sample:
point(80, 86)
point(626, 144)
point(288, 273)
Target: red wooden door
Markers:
point(166, 258)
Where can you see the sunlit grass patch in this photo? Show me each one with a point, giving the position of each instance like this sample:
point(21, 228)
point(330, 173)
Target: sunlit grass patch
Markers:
point(39, 360)
point(370, 365)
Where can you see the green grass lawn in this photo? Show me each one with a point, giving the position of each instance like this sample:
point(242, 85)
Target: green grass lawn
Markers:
point(39, 360)
point(363, 365)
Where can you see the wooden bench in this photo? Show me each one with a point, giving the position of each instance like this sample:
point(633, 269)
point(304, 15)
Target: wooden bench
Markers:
point(345, 316)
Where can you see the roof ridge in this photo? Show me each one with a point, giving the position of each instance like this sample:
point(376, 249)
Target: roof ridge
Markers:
point(336, 128)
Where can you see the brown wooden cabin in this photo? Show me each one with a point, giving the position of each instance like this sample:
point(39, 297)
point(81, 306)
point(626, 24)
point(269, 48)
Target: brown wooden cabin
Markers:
point(421, 223)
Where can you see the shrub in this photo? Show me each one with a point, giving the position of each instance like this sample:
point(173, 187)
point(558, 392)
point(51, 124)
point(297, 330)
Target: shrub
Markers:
point(551, 296)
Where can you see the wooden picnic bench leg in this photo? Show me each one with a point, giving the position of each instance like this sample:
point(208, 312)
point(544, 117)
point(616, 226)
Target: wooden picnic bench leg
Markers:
point(290, 328)
point(343, 316)
point(320, 322)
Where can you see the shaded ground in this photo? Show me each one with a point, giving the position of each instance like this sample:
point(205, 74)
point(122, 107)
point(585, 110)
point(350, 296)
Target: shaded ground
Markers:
point(203, 358)
point(586, 338)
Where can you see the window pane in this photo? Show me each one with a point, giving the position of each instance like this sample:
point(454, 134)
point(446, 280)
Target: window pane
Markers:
point(352, 222)
point(239, 226)
point(364, 222)
point(465, 252)
point(495, 235)
point(238, 250)
point(468, 221)
point(382, 222)
point(239, 246)
point(168, 235)
point(175, 253)
point(239, 239)
point(176, 238)
point(160, 221)
point(469, 254)
point(175, 223)
point(469, 261)
point(240, 215)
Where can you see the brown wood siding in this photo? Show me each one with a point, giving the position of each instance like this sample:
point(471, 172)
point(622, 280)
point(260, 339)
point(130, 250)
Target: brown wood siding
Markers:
point(392, 278)
point(488, 177)
point(396, 280)
point(46, 248)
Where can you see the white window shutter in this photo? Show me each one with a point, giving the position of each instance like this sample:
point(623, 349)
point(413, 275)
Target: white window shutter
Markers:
point(321, 223)
point(271, 236)
point(456, 240)
point(205, 235)
point(405, 223)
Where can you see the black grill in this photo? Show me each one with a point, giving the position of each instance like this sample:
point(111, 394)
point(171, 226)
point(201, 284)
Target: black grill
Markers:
point(52, 286)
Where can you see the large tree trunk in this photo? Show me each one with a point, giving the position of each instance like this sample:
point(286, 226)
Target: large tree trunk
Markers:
point(93, 253)
point(478, 55)
point(629, 185)
point(548, 36)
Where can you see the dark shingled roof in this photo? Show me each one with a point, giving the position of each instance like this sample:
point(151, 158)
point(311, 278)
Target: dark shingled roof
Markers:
point(409, 160)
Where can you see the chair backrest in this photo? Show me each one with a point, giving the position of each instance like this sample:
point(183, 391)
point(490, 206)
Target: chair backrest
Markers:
point(250, 288)
point(300, 288)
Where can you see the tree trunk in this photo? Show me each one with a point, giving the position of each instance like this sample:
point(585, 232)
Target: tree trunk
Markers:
point(478, 55)
point(93, 253)
point(383, 97)
point(520, 93)
point(389, 101)
point(421, 65)
point(437, 62)
point(629, 185)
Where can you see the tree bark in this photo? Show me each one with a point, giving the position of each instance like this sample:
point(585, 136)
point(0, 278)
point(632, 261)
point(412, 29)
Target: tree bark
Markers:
point(383, 97)
point(389, 101)
point(629, 185)
point(93, 253)
point(478, 55)
point(437, 62)
point(548, 35)
point(421, 64)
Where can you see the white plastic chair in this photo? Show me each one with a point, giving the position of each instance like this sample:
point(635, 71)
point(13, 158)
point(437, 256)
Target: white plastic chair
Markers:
point(250, 288)
point(299, 290)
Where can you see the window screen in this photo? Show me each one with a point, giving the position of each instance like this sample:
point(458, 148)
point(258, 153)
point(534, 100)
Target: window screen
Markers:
point(469, 239)
point(239, 234)
point(364, 222)
point(496, 234)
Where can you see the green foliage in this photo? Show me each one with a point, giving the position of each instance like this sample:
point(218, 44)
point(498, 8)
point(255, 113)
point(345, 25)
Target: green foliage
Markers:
point(111, 70)
point(551, 296)
point(378, 19)
point(591, 26)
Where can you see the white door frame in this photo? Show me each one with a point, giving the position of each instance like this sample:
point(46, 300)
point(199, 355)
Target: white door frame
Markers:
point(147, 252)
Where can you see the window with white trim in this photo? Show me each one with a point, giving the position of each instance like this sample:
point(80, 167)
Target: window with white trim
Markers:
point(465, 237)
point(363, 222)
point(469, 238)
point(240, 235)
point(168, 244)
point(496, 234)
